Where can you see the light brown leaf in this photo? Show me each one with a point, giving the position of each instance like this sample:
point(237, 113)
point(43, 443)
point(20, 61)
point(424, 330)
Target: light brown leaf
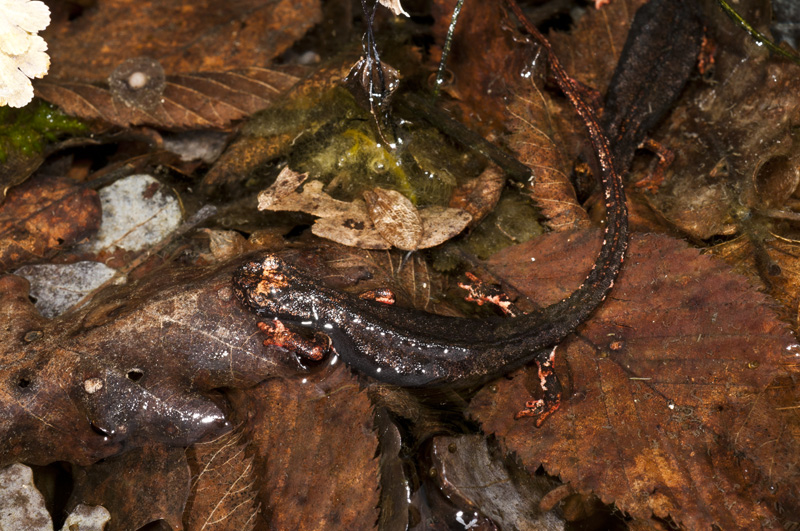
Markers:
point(351, 223)
point(395, 218)
point(188, 101)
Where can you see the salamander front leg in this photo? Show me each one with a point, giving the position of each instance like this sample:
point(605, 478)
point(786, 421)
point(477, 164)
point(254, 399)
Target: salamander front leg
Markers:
point(313, 349)
point(551, 391)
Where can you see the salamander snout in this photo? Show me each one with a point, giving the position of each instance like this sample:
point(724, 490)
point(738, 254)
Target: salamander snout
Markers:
point(258, 282)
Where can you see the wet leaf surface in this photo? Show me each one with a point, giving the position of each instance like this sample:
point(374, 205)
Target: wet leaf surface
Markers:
point(671, 381)
point(224, 485)
point(138, 487)
point(43, 215)
point(130, 369)
point(314, 449)
point(680, 393)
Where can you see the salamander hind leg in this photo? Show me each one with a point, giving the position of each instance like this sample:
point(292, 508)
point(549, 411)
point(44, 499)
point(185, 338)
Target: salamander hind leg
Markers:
point(551, 390)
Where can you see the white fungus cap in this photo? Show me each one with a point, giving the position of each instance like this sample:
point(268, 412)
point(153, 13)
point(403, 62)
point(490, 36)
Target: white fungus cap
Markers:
point(22, 51)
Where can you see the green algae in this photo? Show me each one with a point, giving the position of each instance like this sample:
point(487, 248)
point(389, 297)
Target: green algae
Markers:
point(27, 130)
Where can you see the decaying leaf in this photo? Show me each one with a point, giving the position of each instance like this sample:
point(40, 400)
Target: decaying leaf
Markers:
point(137, 487)
point(469, 468)
point(395, 218)
point(667, 387)
point(479, 196)
point(724, 152)
point(182, 102)
point(55, 288)
point(314, 475)
point(131, 369)
point(224, 486)
point(388, 219)
point(43, 215)
point(204, 36)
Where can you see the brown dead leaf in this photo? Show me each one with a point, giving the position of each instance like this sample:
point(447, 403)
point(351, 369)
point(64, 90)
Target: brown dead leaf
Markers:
point(391, 220)
point(592, 47)
point(486, 58)
point(539, 141)
point(224, 486)
point(669, 385)
point(138, 487)
point(204, 35)
point(479, 196)
point(131, 369)
point(43, 215)
point(188, 101)
point(395, 218)
point(314, 451)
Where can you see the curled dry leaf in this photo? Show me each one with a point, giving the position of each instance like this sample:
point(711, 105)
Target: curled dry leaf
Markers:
point(668, 385)
point(43, 215)
point(391, 220)
point(479, 196)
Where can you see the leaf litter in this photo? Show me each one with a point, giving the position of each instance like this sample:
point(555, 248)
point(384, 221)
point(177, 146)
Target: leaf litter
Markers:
point(662, 411)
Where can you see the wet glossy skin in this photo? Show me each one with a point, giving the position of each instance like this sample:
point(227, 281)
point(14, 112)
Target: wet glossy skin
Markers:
point(416, 349)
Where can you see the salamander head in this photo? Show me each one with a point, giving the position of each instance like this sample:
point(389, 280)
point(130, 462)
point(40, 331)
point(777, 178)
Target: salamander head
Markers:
point(259, 284)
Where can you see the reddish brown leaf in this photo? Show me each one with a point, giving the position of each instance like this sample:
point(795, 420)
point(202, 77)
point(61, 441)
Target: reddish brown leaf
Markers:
point(138, 487)
point(205, 35)
point(224, 486)
point(130, 369)
point(486, 58)
point(592, 47)
point(315, 451)
point(43, 215)
point(539, 142)
point(188, 101)
point(667, 387)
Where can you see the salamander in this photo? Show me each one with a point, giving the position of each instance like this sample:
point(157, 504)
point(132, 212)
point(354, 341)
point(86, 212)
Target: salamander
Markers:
point(411, 348)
